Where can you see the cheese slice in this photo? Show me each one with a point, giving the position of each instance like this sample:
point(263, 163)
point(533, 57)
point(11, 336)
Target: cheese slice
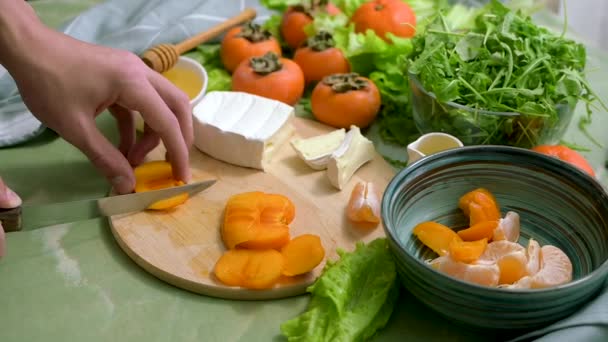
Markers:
point(316, 151)
point(354, 151)
point(240, 128)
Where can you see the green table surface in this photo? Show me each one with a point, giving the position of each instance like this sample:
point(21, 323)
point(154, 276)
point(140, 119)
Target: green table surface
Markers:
point(73, 283)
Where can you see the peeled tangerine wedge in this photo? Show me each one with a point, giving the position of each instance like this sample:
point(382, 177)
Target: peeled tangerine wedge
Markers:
point(508, 228)
point(250, 268)
point(436, 236)
point(156, 175)
point(364, 204)
point(555, 269)
point(510, 257)
point(257, 220)
point(487, 275)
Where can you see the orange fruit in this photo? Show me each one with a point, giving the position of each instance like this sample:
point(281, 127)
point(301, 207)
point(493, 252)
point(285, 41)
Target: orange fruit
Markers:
point(467, 251)
point(435, 236)
point(555, 269)
point(566, 154)
point(510, 257)
point(508, 228)
point(481, 230)
point(487, 275)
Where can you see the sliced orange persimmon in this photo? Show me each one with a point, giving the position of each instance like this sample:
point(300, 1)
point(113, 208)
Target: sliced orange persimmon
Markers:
point(257, 220)
point(480, 205)
point(478, 231)
point(467, 251)
point(436, 236)
point(267, 236)
point(156, 175)
point(302, 254)
point(250, 268)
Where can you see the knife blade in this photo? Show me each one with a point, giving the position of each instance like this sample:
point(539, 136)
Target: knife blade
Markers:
point(28, 217)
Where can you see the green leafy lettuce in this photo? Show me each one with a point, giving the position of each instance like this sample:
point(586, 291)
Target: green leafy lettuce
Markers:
point(209, 56)
point(352, 300)
point(503, 63)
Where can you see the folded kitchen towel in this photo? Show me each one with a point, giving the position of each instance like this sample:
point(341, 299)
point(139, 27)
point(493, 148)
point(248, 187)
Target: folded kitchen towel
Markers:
point(133, 25)
point(588, 324)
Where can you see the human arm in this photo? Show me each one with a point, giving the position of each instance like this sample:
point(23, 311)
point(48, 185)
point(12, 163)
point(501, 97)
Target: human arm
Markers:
point(66, 83)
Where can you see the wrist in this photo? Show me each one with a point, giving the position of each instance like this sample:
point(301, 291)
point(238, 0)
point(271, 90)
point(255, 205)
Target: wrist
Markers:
point(19, 28)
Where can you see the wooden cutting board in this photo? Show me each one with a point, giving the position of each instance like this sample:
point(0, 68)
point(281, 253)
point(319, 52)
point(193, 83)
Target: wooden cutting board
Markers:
point(181, 246)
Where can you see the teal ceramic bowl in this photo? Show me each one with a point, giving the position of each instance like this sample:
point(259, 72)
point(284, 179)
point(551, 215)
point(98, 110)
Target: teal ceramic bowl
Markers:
point(557, 204)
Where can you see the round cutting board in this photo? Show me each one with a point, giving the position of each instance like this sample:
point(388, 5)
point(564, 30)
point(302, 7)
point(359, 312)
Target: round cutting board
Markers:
point(182, 245)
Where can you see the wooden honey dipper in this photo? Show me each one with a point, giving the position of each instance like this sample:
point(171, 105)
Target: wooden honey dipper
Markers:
point(164, 56)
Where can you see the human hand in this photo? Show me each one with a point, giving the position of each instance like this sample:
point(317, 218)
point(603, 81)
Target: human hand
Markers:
point(8, 199)
point(66, 83)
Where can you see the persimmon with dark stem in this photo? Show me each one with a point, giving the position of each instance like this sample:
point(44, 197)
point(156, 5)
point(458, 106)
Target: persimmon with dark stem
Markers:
point(342, 100)
point(270, 76)
point(241, 43)
point(319, 58)
point(296, 18)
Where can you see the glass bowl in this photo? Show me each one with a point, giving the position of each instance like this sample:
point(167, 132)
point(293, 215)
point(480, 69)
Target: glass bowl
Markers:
point(557, 204)
point(480, 127)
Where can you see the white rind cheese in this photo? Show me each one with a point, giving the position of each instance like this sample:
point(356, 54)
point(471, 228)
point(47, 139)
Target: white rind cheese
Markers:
point(317, 150)
point(354, 151)
point(240, 128)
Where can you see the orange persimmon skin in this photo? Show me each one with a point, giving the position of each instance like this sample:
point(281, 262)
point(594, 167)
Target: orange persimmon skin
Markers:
point(481, 230)
point(480, 205)
point(285, 85)
point(257, 220)
point(467, 251)
point(566, 154)
point(341, 110)
point(235, 49)
point(156, 175)
point(317, 64)
point(385, 16)
point(294, 22)
point(302, 254)
point(250, 268)
point(436, 236)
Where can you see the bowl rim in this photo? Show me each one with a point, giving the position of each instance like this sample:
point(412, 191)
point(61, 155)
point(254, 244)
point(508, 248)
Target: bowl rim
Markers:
point(390, 231)
point(414, 78)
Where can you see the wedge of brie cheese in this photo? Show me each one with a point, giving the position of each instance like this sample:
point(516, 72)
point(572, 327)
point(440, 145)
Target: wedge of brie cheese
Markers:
point(354, 151)
point(241, 129)
point(316, 151)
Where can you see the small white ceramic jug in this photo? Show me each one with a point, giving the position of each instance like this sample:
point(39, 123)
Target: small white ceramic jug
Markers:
point(431, 143)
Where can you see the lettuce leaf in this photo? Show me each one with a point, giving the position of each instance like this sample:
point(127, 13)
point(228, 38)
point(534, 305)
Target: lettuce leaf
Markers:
point(353, 298)
point(279, 5)
point(209, 56)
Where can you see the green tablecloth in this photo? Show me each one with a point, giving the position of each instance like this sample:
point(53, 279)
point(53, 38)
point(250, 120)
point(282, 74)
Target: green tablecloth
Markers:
point(73, 283)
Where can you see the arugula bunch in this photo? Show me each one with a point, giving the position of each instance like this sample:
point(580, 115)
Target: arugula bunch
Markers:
point(504, 63)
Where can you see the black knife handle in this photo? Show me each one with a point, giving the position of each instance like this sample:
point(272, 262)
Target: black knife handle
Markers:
point(11, 219)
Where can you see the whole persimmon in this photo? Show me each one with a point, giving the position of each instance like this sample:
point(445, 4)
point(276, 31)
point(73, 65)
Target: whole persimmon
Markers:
point(342, 100)
point(566, 154)
point(385, 16)
point(297, 17)
point(270, 76)
point(243, 42)
point(319, 58)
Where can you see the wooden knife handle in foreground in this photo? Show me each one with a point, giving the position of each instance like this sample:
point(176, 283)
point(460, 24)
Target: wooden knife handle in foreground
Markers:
point(11, 219)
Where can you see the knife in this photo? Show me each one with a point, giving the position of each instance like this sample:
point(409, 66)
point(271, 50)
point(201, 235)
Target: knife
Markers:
point(27, 217)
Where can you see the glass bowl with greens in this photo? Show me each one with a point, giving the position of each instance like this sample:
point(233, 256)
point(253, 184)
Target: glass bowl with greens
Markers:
point(499, 79)
point(474, 126)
